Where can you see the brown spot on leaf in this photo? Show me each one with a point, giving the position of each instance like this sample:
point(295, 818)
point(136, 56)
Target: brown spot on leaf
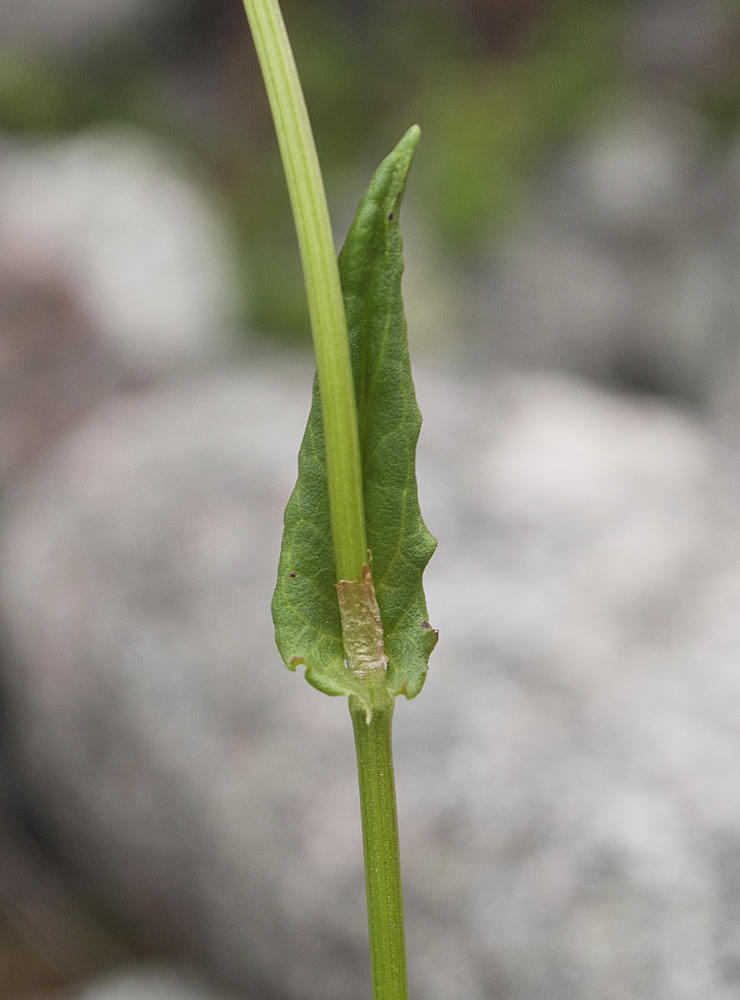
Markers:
point(361, 625)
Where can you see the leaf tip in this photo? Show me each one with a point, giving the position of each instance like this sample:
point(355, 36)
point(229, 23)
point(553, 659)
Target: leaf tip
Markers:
point(403, 154)
point(412, 136)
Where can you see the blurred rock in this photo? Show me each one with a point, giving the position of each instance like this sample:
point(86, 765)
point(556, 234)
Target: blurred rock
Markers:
point(679, 46)
point(625, 268)
point(114, 273)
point(568, 783)
point(114, 219)
point(75, 25)
point(158, 982)
point(50, 936)
point(53, 369)
point(114, 270)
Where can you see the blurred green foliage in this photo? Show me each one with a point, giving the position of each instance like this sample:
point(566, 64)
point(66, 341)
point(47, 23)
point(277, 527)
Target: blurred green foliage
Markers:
point(488, 123)
point(55, 96)
point(491, 104)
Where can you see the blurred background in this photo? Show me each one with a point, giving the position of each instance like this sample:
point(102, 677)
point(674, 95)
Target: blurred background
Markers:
point(502, 91)
point(574, 207)
point(496, 85)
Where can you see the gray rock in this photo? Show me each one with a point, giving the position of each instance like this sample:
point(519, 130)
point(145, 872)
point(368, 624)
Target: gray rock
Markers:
point(150, 982)
point(624, 268)
point(680, 46)
point(568, 784)
point(54, 369)
point(113, 217)
point(70, 27)
point(115, 270)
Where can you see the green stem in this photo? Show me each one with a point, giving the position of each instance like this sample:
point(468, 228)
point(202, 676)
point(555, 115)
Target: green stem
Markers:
point(344, 473)
point(381, 848)
point(323, 288)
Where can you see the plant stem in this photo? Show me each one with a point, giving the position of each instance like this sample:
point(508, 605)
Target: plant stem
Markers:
point(325, 303)
point(381, 848)
point(344, 474)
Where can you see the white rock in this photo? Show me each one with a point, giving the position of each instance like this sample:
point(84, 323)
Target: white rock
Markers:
point(142, 249)
point(157, 982)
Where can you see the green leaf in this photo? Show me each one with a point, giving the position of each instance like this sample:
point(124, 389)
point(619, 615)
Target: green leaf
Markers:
point(370, 266)
point(305, 607)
